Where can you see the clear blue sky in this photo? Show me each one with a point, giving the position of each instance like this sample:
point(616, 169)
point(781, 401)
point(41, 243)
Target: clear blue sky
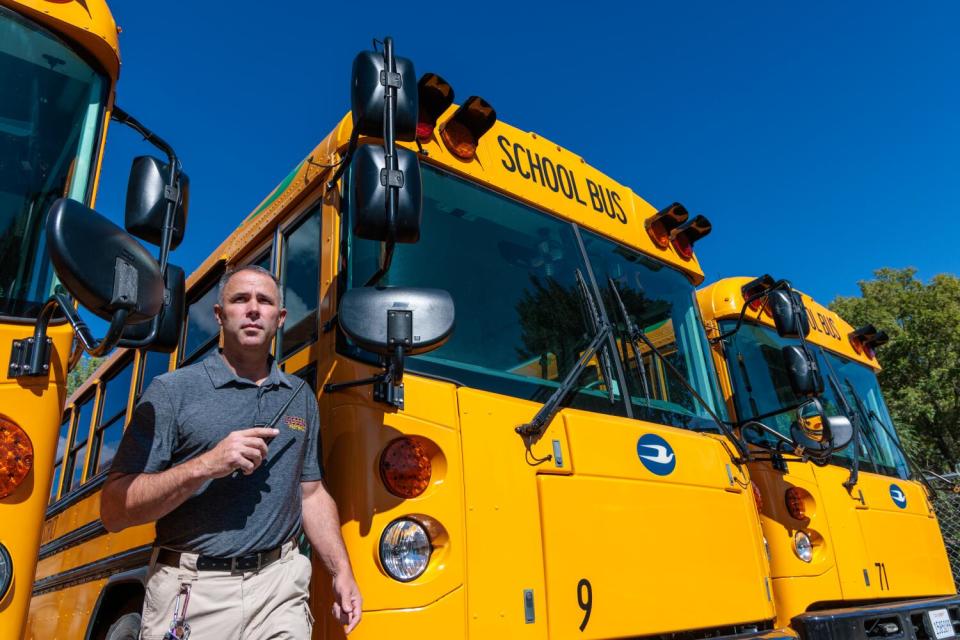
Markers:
point(821, 139)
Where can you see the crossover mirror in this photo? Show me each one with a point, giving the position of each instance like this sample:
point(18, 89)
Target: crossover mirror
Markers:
point(817, 435)
point(383, 320)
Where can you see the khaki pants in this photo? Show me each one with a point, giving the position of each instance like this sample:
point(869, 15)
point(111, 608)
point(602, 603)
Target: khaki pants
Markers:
point(272, 603)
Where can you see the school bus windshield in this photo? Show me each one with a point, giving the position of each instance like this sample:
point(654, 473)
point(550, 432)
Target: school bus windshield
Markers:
point(49, 120)
point(762, 392)
point(522, 321)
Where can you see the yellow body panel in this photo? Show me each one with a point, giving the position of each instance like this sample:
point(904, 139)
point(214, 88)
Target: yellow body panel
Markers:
point(856, 534)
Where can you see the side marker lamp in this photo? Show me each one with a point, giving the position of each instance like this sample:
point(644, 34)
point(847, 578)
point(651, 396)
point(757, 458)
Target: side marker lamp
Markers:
point(462, 132)
point(683, 237)
point(16, 456)
point(755, 290)
point(434, 95)
point(660, 224)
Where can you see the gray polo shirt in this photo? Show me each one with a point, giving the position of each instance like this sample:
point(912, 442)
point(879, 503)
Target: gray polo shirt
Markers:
point(187, 412)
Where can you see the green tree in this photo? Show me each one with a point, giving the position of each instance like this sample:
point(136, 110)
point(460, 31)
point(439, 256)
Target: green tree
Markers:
point(81, 372)
point(921, 363)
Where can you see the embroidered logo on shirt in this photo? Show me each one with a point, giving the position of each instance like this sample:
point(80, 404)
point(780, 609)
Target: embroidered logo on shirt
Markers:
point(295, 422)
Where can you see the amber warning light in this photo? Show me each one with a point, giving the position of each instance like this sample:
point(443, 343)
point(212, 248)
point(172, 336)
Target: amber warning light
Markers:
point(434, 96)
point(462, 132)
point(683, 237)
point(16, 456)
point(660, 224)
point(405, 468)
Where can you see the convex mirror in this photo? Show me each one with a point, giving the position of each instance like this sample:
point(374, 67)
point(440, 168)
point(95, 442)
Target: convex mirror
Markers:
point(382, 319)
point(104, 268)
point(367, 91)
point(370, 192)
point(818, 435)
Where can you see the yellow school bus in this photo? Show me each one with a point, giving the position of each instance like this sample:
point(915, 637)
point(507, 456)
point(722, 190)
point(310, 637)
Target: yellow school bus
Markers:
point(527, 474)
point(58, 67)
point(855, 545)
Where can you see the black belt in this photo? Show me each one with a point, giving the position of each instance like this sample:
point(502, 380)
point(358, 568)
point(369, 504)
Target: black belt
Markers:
point(252, 562)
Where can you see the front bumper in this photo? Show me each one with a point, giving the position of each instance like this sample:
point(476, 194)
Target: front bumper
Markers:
point(889, 621)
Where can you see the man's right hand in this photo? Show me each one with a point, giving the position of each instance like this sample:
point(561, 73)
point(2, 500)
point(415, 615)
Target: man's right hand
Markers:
point(245, 450)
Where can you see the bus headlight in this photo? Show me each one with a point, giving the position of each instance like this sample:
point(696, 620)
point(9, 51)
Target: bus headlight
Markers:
point(6, 571)
point(405, 549)
point(16, 456)
point(802, 546)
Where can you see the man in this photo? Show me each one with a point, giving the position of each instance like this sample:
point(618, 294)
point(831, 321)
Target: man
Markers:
point(229, 497)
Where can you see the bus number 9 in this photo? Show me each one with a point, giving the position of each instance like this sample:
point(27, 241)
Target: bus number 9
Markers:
point(585, 600)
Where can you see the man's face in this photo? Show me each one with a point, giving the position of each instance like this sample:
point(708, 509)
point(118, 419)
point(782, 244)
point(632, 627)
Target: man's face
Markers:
point(251, 313)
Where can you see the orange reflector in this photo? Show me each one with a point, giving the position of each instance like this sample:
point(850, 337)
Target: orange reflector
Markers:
point(462, 132)
point(796, 499)
point(16, 456)
point(405, 468)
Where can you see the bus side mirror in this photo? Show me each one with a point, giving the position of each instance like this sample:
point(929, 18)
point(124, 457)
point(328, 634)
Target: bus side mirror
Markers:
point(104, 268)
point(369, 195)
point(169, 321)
point(789, 313)
point(147, 201)
point(385, 320)
point(367, 90)
point(802, 371)
point(817, 435)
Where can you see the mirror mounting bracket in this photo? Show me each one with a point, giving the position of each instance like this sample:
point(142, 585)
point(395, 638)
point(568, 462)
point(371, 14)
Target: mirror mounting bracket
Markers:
point(26, 351)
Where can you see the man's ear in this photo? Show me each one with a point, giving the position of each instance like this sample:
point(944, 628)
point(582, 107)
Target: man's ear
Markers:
point(281, 318)
point(217, 312)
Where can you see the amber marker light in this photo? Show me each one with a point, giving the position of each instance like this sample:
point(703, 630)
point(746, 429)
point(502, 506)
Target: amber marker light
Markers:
point(434, 96)
point(16, 456)
point(660, 224)
point(683, 237)
point(462, 132)
point(796, 501)
point(405, 468)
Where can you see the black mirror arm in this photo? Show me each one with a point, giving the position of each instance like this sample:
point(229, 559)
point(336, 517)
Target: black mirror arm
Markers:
point(780, 284)
point(137, 344)
point(760, 427)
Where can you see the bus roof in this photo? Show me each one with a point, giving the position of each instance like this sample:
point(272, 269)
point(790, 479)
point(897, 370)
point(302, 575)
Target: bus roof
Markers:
point(723, 300)
point(89, 23)
point(519, 164)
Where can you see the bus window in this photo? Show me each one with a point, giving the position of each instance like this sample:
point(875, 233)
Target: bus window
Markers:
point(202, 327)
point(114, 393)
point(152, 365)
point(61, 447)
point(300, 275)
point(73, 467)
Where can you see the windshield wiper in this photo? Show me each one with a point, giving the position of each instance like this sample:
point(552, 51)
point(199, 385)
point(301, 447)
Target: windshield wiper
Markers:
point(602, 331)
point(870, 413)
point(596, 321)
point(637, 333)
point(858, 427)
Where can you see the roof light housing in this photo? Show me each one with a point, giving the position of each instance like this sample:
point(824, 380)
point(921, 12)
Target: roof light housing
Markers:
point(435, 97)
point(867, 339)
point(462, 132)
point(660, 224)
point(754, 291)
point(683, 237)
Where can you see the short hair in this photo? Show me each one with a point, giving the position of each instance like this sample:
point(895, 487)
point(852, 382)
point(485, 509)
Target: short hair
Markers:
point(225, 278)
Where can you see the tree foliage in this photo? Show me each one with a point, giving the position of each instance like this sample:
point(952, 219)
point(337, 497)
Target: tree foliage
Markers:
point(81, 372)
point(921, 363)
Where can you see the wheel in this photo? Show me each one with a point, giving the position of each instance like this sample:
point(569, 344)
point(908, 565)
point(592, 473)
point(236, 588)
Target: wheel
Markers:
point(126, 627)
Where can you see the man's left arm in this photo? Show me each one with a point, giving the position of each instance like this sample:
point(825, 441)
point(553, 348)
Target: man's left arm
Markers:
point(321, 523)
